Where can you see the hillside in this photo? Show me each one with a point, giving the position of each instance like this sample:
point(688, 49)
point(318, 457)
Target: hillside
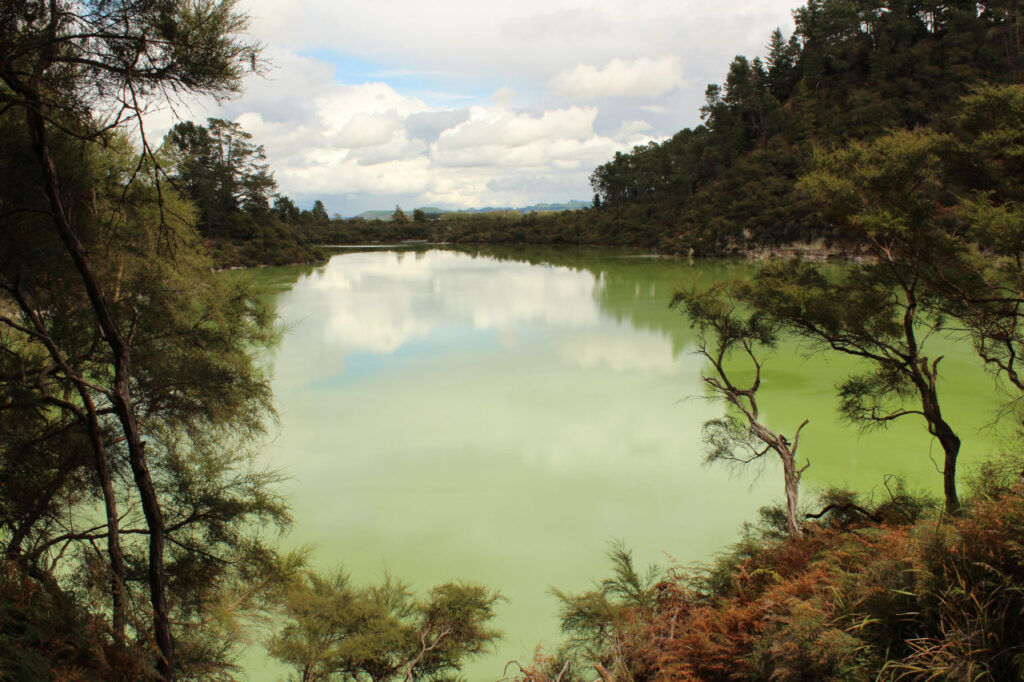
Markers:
point(849, 71)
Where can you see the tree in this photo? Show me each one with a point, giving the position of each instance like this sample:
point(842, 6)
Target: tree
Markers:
point(981, 274)
point(84, 70)
point(940, 213)
point(399, 215)
point(742, 438)
point(781, 62)
point(886, 196)
point(200, 402)
point(286, 210)
point(603, 622)
point(319, 213)
point(221, 170)
point(336, 630)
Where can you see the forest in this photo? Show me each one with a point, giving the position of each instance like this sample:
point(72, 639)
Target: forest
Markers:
point(137, 528)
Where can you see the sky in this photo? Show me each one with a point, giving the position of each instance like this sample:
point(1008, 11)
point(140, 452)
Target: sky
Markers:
point(369, 104)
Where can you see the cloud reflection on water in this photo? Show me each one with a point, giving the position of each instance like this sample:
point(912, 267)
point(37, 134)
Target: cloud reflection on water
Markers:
point(378, 302)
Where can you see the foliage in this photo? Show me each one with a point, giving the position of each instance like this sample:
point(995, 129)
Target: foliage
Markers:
point(903, 596)
point(336, 630)
point(227, 178)
point(882, 312)
point(604, 623)
point(199, 400)
point(939, 234)
point(127, 366)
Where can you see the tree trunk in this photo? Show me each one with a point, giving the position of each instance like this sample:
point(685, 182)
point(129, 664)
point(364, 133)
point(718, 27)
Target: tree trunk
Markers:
point(792, 481)
point(951, 449)
point(117, 596)
point(122, 401)
point(950, 442)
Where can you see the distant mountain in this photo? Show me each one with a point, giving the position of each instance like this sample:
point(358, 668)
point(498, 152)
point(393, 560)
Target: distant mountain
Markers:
point(535, 208)
point(434, 211)
point(375, 215)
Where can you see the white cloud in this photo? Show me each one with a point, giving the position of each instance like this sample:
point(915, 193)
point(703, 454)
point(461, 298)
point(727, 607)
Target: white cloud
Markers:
point(368, 130)
point(451, 103)
point(504, 96)
point(371, 140)
point(629, 128)
point(497, 126)
point(507, 41)
point(339, 104)
point(642, 77)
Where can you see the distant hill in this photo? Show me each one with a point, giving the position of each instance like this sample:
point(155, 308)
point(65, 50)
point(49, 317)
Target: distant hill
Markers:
point(434, 211)
point(535, 208)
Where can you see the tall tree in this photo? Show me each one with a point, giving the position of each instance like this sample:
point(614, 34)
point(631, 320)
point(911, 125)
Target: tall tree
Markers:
point(86, 69)
point(199, 401)
point(319, 212)
point(887, 196)
point(221, 170)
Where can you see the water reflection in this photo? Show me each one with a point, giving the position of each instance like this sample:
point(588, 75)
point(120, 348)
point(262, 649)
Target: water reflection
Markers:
point(622, 350)
point(380, 302)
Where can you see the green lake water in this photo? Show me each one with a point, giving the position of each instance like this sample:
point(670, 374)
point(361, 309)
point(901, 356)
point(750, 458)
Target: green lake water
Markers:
point(499, 416)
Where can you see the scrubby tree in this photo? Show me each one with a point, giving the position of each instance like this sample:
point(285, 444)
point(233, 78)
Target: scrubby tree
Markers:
point(740, 436)
point(334, 629)
point(199, 402)
point(602, 623)
point(887, 196)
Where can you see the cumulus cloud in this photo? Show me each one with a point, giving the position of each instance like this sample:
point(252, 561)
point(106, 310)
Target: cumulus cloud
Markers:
point(504, 96)
point(355, 142)
point(429, 124)
point(368, 130)
point(370, 104)
point(339, 104)
point(642, 77)
point(497, 126)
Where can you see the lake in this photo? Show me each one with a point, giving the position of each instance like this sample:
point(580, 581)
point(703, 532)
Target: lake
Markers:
point(498, 416)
